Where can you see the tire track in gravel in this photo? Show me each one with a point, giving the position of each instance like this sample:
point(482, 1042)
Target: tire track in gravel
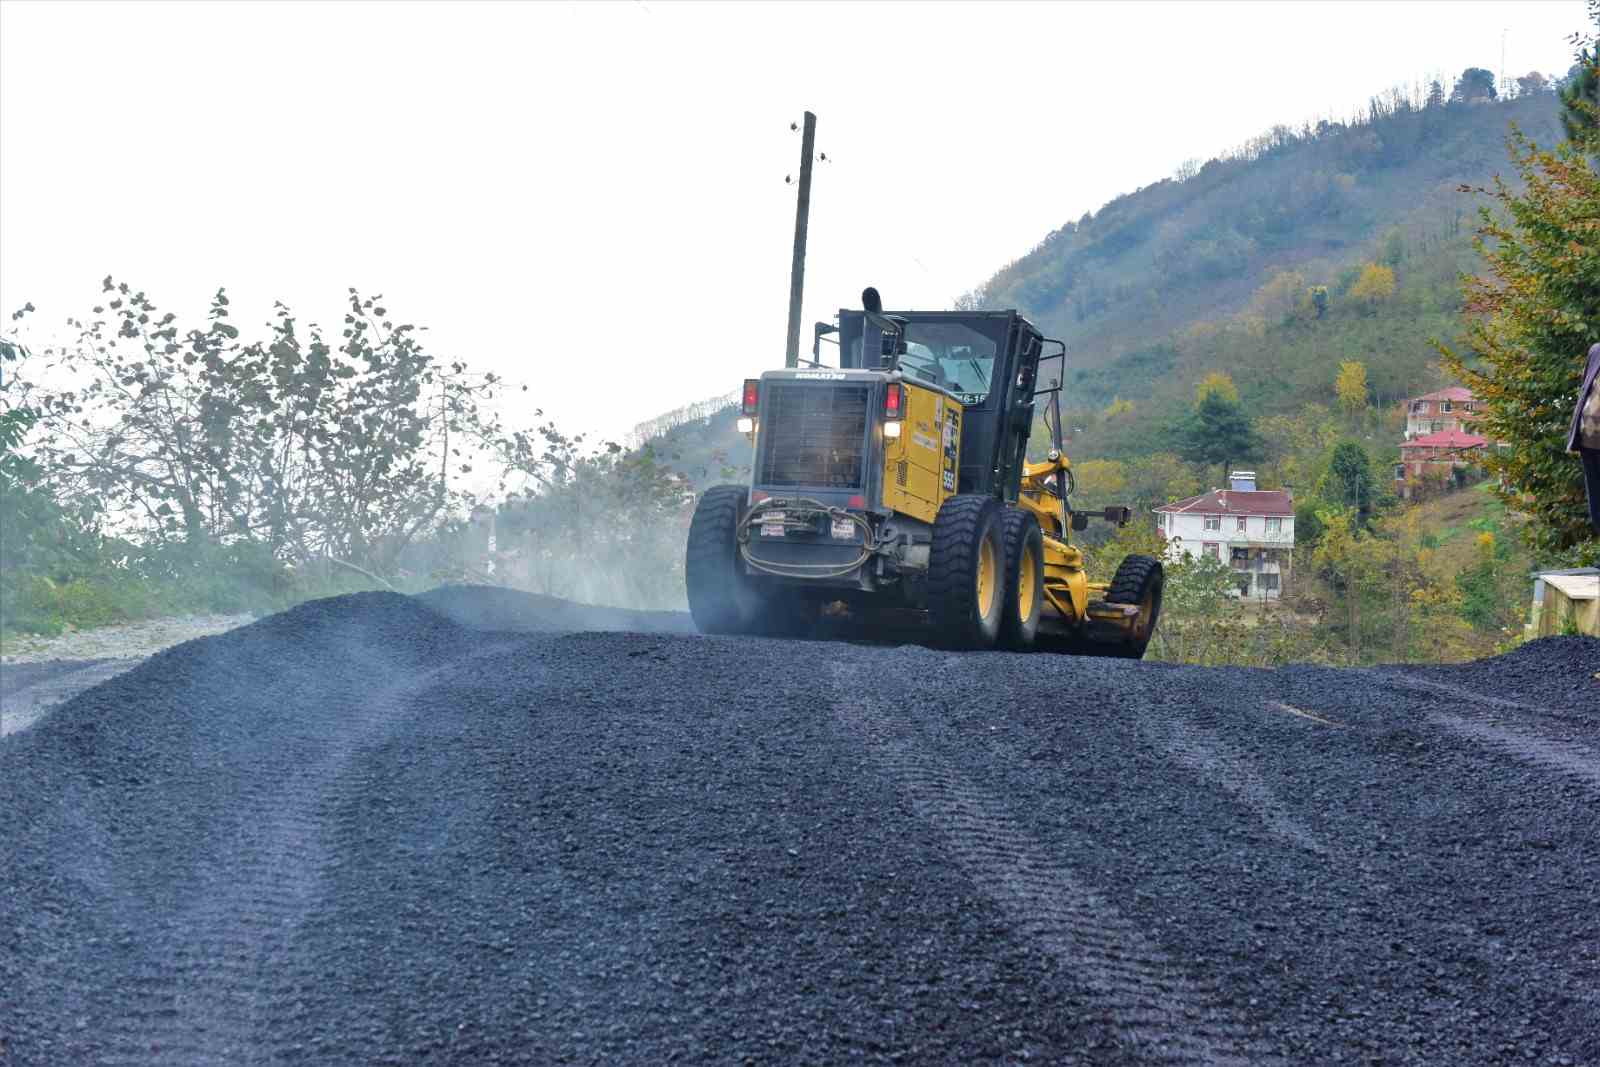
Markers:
point(233, 982)
point(1563, 756)
point(1150, 1002)
point(1427, 687)
point(1214, 760)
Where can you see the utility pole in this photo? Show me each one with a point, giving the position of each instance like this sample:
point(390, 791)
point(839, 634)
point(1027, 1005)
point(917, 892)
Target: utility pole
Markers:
point(802, 211)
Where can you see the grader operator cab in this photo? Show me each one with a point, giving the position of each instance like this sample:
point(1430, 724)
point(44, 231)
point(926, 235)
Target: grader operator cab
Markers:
point(897, 487)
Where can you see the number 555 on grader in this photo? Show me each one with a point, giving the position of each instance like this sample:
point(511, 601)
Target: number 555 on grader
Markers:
point(898, 483)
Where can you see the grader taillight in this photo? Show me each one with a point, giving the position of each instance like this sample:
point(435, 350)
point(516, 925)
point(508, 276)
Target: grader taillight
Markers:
point(894, 409)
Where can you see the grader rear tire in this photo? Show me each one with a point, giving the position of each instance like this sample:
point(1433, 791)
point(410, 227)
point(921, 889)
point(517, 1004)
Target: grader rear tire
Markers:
point(966, 563)
point(1024, 572)
point(721, 597)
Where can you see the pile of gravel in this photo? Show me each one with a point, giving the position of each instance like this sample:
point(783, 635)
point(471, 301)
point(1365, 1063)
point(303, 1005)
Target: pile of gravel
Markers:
point(1562, 672)
point(497, 608)
point(360, 832)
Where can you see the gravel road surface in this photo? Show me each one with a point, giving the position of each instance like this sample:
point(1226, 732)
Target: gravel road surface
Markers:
point(456, 829)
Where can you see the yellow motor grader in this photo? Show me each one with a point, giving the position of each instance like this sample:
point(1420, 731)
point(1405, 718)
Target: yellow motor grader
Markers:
point(895, 488)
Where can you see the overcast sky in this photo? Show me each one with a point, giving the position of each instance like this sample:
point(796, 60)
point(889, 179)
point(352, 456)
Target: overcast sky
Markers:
point(590, 198)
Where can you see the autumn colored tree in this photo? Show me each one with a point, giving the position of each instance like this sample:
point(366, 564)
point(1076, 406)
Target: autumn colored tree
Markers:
point(1356, 563)
point(1350, 386)
point(1375, 285)
point(1100, 479)
point(1219, 383)
point(1532, 317)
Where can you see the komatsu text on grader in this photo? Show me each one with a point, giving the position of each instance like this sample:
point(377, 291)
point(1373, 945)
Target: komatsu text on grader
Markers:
point(896, 487)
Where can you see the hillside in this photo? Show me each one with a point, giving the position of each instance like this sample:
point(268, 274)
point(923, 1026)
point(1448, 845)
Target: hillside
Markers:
point(1214, 272)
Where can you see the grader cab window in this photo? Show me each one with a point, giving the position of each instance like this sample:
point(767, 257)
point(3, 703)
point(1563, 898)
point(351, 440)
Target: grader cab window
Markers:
point(952, 356)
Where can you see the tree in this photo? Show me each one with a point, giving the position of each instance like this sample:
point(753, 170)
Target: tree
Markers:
point(200, 439)
point(1350, 386)
point(1357, 565)
point(1435, 94)
point(1532, 317)
point(1100, 479)
point(1319, 299)
point(1283, 296)
point(1375, 284)
point(1219, 383)
point(1158, 478)
point(1349, 482)
point(1580, 95)
point(1219, 431)
point(1475, 85)
point(1531, 83)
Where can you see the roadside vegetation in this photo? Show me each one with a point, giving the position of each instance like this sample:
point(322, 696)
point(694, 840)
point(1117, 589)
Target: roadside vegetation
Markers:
point(152, 467)
point(1302, 287)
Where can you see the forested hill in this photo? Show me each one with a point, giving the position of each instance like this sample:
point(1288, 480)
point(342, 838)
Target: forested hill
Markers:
point(1220, 269)
point(1272, 264)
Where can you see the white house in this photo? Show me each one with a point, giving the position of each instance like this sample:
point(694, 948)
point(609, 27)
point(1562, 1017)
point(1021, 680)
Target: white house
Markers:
point(1249, 529)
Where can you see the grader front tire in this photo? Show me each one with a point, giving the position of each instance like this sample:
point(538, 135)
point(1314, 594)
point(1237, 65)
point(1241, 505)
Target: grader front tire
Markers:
point(1139, 580)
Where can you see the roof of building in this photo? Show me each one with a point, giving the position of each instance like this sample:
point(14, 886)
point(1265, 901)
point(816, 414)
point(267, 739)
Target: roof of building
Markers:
point(1445, 439)
point(1234, 502)
point(1575, 586)
point(1454, 392)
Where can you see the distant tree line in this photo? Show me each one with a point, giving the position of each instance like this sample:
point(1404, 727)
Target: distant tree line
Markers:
point(143, 447)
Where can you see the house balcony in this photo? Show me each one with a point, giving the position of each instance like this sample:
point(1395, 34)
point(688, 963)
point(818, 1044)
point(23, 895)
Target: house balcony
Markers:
point(1252, 538)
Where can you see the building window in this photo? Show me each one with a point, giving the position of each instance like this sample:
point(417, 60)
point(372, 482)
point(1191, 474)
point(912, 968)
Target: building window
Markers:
point(1212, 549)
point(1240, 524)
point(1274, 526)
point(1471, 405)
point(1240, 557)
point(1435, 427)
point(1419, 407)
point(1213, 522)
point(1267, 582)
point(1444, 407)
point(1399, 472)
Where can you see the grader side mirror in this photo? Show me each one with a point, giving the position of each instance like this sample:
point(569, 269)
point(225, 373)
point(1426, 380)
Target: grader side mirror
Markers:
point(1080, 520)
point(1119, 514)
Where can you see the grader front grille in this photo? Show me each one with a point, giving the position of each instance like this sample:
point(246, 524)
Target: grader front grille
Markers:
point(813, 435)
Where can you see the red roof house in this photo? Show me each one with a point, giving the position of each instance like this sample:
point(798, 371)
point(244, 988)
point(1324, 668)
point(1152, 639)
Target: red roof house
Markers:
point(1436, 457)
